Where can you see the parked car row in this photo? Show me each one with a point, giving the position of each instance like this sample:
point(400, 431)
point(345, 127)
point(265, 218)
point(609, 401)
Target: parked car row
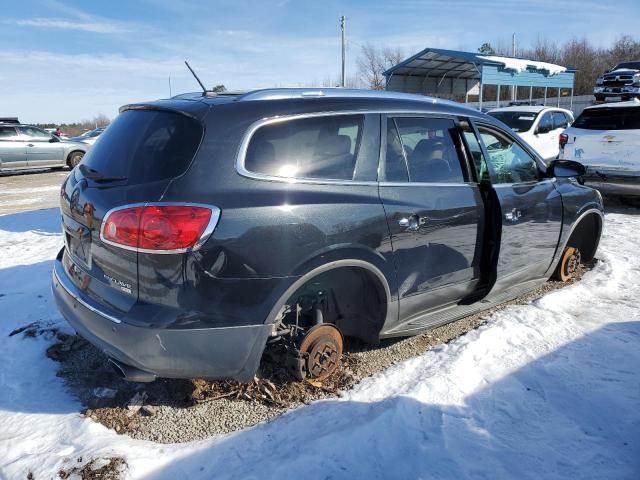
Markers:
point(29, 147)
point(204, 227)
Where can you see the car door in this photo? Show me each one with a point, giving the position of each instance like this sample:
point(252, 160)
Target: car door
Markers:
point(543, 135)
point(43, 150)
point(530, 208)
point(12, 149)
point(433, 213)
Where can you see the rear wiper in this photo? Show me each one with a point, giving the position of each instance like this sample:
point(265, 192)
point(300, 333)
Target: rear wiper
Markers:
point(92, 174)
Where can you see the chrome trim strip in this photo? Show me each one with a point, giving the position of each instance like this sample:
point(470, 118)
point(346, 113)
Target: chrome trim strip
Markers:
point(81, 301)
point(244, 145)
point(213, 221)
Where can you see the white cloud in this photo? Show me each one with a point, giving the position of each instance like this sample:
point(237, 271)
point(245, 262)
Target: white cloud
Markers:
point(83, 26)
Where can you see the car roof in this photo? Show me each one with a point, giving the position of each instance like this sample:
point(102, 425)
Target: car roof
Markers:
point(528, 108)
point(630, 103)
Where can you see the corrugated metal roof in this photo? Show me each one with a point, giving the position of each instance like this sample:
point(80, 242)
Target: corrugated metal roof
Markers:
point(436, 62)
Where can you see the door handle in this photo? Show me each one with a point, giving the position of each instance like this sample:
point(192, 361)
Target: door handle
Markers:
point(30, 145)
point(410, 223)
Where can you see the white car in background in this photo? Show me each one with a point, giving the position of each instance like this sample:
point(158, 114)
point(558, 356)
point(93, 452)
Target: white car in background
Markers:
point(537, 125)
point(606, 140)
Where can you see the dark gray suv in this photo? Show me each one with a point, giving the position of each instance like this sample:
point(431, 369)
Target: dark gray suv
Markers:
point(203, 227)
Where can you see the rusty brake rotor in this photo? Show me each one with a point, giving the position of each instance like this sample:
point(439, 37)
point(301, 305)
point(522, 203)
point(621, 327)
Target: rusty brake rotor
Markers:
point(322, 349)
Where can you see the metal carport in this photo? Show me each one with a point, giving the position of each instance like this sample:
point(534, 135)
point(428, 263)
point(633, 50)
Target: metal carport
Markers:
point(450, 73)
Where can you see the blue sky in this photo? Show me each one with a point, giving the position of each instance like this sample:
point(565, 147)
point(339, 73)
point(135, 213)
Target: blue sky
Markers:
point(64, 60)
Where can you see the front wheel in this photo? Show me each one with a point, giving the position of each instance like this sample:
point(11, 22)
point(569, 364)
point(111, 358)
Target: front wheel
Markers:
point(74, 159)
point(569, 264)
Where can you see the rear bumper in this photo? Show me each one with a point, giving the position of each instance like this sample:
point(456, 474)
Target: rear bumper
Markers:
point(214, 353)
point(614, 182)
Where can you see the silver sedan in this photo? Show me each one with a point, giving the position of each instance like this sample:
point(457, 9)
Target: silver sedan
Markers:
point(28, 147)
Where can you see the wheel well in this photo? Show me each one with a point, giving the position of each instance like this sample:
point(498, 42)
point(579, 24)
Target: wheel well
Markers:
point(354, 299)
point(71, 153)
point(586, 236)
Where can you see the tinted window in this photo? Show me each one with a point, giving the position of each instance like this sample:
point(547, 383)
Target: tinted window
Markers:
point(559, 120)
point(7, 132)
point(546, 123)
point(320, 147)
point(35, 133)
point(430, 152)
point(516, 121)
point(615, 118)
point(509, 161)
point(395, 165)
point(145, 145)
point(630, 65)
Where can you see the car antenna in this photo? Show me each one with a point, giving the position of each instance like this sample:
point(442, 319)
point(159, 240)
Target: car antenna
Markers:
point(204, 89)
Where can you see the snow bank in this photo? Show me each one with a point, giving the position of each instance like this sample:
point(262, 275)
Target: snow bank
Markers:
point(547, 390)
point(519, 65)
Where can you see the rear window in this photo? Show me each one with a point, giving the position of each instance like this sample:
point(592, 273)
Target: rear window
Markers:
point(616, 118)
point(517, 121)
point(318, 148)
point(145, 146)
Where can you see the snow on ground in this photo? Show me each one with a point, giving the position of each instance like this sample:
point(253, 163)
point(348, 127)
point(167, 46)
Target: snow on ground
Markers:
point(550, 390)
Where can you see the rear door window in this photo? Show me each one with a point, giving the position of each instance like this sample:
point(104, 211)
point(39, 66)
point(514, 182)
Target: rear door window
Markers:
point(428, 151)
point(559, 120)
point(145, 146)
point(324, 147)
point(615, 118)
point(8, 133)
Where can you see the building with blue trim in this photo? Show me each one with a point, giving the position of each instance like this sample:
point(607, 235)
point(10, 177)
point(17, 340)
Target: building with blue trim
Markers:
point(448, 73)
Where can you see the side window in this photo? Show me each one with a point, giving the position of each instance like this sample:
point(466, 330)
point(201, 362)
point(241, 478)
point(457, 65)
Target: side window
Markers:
point(508, 160)
point(559, 120)
point(395, 163)
point(7, 133)
point(474, 148)
point(318, 148)
point(546, 123)
point(430, 152)
point(35, 133)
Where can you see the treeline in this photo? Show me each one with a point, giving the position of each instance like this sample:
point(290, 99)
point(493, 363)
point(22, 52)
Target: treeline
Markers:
point(76, 128)
point(590, 60)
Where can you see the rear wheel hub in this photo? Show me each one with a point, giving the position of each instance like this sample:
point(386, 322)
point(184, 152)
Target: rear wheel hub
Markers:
point(321, 347)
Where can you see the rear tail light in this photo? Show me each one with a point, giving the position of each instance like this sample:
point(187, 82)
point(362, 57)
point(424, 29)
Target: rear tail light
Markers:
point(564, 139)
point(159, 228)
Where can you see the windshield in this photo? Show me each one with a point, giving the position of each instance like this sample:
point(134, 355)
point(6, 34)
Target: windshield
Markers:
point(616, 118)
point(145, 146)
point(630, 65)
point(518, 121)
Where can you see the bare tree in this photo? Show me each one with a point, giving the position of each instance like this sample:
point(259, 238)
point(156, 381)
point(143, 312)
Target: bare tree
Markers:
point(373, 61)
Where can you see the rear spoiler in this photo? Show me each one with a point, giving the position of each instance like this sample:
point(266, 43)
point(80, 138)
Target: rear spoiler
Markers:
point(194, 110)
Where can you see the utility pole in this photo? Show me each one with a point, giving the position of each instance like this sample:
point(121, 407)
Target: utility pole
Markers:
point(513, 53)
point(343, 27)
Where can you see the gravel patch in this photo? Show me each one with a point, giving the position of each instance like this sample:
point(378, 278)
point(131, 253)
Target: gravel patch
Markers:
point(172, 411)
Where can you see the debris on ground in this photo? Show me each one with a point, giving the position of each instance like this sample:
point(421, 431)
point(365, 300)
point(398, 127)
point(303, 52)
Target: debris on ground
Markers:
point(170, 411)
point(112, 468)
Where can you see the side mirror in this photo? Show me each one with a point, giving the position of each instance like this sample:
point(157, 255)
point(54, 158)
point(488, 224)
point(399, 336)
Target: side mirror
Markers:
point(54, 139)
point(565, 169)
point(607, 71)
point(543, 129)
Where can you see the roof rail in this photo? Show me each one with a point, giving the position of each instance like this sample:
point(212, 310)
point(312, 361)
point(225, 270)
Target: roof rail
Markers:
point(332, 92)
